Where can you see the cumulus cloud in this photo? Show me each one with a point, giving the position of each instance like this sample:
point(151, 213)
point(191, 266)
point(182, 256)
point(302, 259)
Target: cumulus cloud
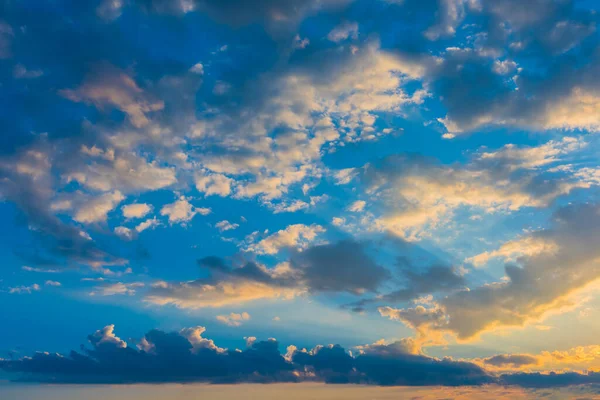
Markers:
point(233, 319)
point(124, 233)
point(96, 209)
point(214, 184)
point(136, 210)
point(182, 211)
point(192, 358)
point(225, 225)
point(292, 237)
point(124, 171)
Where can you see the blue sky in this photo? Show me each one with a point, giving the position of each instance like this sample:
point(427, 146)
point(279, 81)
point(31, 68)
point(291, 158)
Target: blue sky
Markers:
point(395, 177)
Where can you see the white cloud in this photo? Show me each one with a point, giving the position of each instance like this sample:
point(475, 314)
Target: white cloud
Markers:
point(194, 336)
point(214, 184)
point(147, 224)
point(197, 69)
point(181, 211)
point(357, 206)
point(110, 86)
point(225, 225)
point(511, 250)
point(233, 319)
point(138, 210)
point(124, 232)
point(24, 289)
point(296, 236)
point(95, 209)
point(117, 288)
point(126, 172)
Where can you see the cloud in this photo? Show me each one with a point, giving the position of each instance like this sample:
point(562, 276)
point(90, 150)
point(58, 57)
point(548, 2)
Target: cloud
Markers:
point(97, 208)
point(233, 319)
point(125, 233)
point(357, 206)
point(227, 286)
point(150, 223)
point(24, 289)
point(344, 266)
point(294, 236)
point(20, 72)
point(343, 32)
point(107, 335)
point(417, 282)
point(52, 283)
point(339, 267)
point(107, 86)
point(511, 250)
point(192, 358)
point(279, 18)
point(214, 184)
point(552, 379)
point(558, 96)
point(539, 284)
point(123, 171)
point(225, 225)
point(181, 211)
point(419, 194)
point(136, 210)
point(27, 181)
point(118, 288)
point(110, 9)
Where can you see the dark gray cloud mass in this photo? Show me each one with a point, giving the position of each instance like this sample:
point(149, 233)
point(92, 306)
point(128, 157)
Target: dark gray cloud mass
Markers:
point(186, 356)
point(177, 357)
point(343, 266)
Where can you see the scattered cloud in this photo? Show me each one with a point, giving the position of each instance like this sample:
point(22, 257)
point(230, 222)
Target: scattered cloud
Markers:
point(233, 319)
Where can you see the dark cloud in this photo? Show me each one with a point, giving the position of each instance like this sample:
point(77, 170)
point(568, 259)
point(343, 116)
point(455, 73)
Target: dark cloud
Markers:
point(344, 266)
point(277, 16)
point(181, 357)
point(417, 282)
point(552, 379)
point(510, 360)
point(437, 278)
point(555, 45)
point(338, 267)
point(186, 356)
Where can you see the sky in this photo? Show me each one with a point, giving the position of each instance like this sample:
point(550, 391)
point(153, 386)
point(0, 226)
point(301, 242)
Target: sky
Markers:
point(382, 192)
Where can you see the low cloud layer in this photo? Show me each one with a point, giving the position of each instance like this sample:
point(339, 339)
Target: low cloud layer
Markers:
point(186, 356)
